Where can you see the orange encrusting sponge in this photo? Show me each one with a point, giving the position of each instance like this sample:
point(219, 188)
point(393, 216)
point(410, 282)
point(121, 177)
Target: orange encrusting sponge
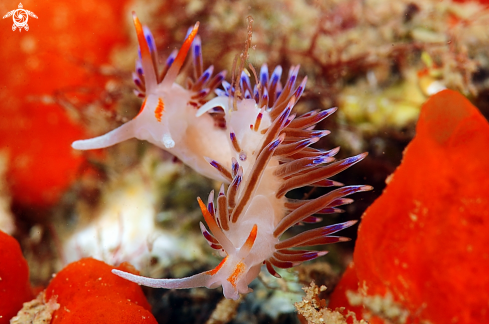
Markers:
point(88, 292)
point(14, 278)
point(425, 240)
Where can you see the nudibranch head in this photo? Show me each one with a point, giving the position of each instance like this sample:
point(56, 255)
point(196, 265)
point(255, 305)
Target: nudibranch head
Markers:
point(162, 117)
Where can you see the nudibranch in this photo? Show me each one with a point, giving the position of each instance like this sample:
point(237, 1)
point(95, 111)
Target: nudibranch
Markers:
point(167, 117)
point(260, 149)
point(269, 155)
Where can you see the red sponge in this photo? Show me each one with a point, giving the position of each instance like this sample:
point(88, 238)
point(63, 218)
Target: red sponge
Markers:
point(14, 278)
point(88, 292)
point(425, 240)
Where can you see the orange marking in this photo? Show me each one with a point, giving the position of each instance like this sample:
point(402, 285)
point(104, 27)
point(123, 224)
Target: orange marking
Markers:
point(240, 268)
point(216, 269)
point(159, 110)
point(142, 107)
point(251, 238)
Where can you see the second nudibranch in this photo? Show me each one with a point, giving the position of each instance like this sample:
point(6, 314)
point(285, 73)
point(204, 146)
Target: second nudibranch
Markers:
point(167, 117)
point(270, 154)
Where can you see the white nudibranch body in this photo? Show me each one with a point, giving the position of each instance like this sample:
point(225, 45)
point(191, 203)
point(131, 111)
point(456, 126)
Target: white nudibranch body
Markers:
point(261, 150)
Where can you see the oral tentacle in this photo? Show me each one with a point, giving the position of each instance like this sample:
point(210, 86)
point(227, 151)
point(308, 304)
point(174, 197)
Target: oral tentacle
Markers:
point(198, 280)
point(120, 134)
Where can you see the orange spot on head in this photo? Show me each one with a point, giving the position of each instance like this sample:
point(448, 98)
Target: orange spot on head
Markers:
point(240, 268)
point(159, 110)
point(142, 106)
point(216, 269)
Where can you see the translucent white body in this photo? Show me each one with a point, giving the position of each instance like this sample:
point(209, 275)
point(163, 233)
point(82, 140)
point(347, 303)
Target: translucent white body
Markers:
point(179, 132)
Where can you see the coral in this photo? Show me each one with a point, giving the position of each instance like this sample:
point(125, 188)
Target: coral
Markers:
point(14, 278)
point(361, 56)
point(224, 311)
point(337, 40)
point(314, 310)
point(422, 246)
point(87, 292)
point(37, 311)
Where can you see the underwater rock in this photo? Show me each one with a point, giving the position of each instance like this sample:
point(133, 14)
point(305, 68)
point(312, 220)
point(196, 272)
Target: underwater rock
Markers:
point(312, 309)
point(422, 246)
point(88, 292)
point(14, 278)
point(37, 311)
